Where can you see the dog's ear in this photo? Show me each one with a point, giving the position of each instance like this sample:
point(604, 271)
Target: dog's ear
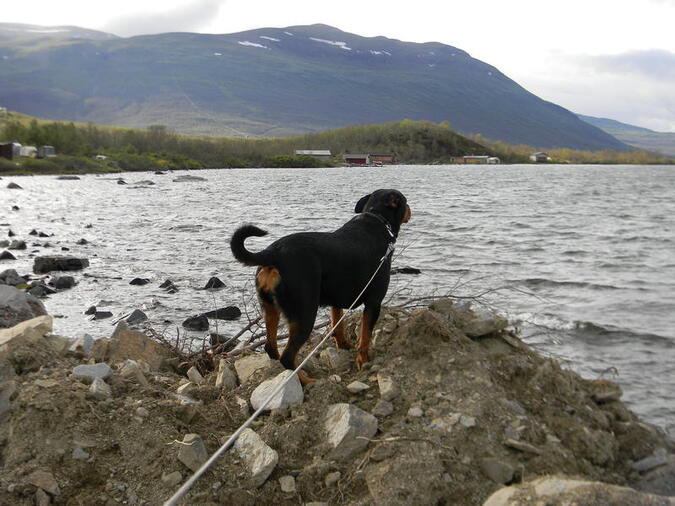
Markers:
point(361, 204)
point(393, 201)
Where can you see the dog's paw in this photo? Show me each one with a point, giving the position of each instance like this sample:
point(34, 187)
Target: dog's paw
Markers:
point(361, 358)
point(304, 379)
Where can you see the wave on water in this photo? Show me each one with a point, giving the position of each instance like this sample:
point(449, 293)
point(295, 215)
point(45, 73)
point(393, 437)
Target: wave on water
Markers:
point(585, 330)
point(549, 283)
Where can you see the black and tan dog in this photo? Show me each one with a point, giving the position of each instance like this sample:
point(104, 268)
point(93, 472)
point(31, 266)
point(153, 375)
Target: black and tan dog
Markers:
point(300, 272)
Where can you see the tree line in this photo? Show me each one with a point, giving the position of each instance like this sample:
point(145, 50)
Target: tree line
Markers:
point(157, 147)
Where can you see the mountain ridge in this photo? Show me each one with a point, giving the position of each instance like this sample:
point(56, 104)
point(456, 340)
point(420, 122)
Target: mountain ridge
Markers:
point(279, 81)
point(633, 135)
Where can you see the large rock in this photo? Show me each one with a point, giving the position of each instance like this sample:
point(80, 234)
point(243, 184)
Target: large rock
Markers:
point(17, 306)
point(347, 426)
point(46, 264)
point(260, 459)
point(249, 365)
point(101, 371)
point(192, 452)
point(11, 277)
point(562, 490)
point(224, 313)
point(196, 323)
point(32, 329)
point(130, 344)
point(290, 395)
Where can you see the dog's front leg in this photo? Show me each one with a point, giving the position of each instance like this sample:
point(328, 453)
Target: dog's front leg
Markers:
point(368, 321)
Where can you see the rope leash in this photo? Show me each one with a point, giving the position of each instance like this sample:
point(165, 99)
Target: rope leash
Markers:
point(228, 444)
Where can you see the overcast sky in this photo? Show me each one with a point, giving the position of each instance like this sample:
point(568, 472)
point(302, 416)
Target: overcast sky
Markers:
point(608, 58)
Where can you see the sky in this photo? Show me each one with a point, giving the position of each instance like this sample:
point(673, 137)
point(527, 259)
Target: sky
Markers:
point(606, 58)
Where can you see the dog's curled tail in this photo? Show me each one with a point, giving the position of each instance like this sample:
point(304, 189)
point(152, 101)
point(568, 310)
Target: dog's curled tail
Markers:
point(245, 256)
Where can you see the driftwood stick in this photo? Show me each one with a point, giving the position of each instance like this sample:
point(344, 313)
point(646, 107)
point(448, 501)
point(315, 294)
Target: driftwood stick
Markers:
point(219, 347)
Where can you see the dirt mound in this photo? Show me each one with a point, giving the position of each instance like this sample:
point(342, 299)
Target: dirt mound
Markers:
point(457, 419)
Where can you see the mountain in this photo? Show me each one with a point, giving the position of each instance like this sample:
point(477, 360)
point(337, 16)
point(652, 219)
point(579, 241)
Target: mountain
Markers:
point(23, 32)
point(277, 81)
point(642, 138)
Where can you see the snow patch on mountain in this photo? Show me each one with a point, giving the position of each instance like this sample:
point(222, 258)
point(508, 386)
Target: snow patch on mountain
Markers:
point(251, 44)
point(341, 45)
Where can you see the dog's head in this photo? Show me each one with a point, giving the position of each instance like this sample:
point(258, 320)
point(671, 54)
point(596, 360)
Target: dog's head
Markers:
point(390, 204)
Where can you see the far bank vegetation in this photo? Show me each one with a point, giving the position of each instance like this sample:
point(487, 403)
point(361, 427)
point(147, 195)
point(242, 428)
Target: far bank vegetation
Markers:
point(157, 148)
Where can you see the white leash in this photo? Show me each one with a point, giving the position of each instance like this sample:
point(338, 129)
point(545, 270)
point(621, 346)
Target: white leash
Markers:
point(228, 444)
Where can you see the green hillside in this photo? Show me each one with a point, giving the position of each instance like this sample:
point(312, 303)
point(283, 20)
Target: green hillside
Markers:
point(158, 148)
point(277, 82)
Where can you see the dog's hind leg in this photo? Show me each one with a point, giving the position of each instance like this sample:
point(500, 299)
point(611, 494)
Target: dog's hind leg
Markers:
point(339, 332)
point(271, 315)
point(370, 315)
point(298, 333)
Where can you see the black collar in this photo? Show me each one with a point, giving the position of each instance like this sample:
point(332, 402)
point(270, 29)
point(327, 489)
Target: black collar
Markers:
point(385, 223)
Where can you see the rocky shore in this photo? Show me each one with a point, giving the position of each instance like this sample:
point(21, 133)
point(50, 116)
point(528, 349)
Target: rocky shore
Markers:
point(452, 409)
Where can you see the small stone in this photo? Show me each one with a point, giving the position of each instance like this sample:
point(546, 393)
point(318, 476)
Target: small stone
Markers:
point(42, 498)
point(80, 454)
point(99, 390)
point(186, 389)
point(467, 421)
point(225, 378)
point(172, 479)
point(142, 412)
point(6, 255)
point(497, 470)
point(337, 360)
point(287, 484)
point(388, 388)
point(415, 412)
point(63, 282)
point(356, 387)
point(45, 481)
point(383, 408)
point(139, 281)
point(82, 346)
point(133, 370)
point(522, 446)
point(195, 376)
point(332, 478)
point(100, 370)
point(192, 452)
point(46, 383)
point(243, 406)
point(214, 283)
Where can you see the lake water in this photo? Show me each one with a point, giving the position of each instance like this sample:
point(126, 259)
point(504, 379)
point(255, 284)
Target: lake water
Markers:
point(581, 258)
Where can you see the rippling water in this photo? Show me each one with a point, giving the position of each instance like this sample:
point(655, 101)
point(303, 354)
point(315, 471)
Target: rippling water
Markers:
point(580, 257)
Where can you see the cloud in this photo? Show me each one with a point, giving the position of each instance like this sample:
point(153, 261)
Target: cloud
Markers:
point(635, 87)
point(185, 18)
point(651, 63)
